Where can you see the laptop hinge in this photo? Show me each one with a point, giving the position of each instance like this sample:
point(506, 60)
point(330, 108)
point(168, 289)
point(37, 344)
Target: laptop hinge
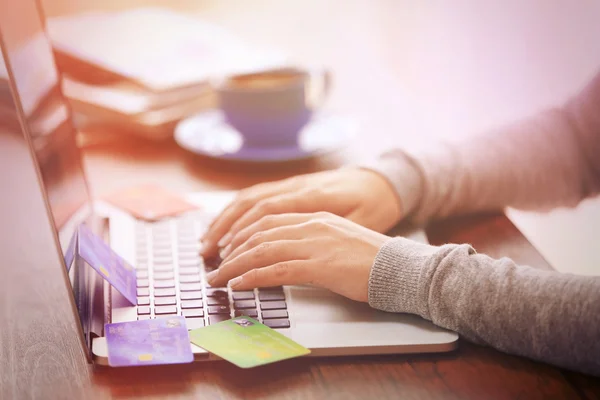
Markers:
point(91, 290)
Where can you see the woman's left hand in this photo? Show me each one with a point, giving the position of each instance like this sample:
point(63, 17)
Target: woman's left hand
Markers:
point(319, 249)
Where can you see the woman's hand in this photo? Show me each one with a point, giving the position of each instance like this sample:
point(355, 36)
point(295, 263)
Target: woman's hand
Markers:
point(319, 249)
point(359, 195)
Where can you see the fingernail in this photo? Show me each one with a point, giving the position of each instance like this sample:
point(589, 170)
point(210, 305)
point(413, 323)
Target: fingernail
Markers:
point(235, 282)
point(224, 240)
point(210, 277)
point(226, 251)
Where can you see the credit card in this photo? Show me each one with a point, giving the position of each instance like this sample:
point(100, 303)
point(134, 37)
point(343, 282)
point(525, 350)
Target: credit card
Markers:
point(107, 263)
point(148, 342)
point(70, 253)
point(246, 342)
point(150, 202)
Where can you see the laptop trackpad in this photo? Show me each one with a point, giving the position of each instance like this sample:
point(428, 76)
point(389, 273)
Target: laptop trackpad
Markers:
point(321, 319)
point(315, 305)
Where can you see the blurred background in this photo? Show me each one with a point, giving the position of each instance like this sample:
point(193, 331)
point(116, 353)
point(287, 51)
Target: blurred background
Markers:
point(452, 67)
point(406, 71)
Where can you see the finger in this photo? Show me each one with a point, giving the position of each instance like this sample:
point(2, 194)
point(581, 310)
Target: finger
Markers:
point(304, 201)
point(289, 232)
point(267, 223)
point(283, 273)
point(265, 254)
point(244, 202)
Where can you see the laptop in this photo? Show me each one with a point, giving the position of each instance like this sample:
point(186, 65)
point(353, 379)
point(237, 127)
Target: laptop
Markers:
point(170, 273)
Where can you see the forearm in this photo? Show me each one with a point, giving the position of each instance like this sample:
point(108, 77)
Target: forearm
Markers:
point(542, 315)
point(545, 161)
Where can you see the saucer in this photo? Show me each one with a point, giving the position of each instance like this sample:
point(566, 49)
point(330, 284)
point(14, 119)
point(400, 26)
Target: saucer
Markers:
point(208, 134)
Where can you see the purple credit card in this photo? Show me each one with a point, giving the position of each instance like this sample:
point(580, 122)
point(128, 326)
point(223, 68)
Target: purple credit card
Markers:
point(107, 263)
point(148, 342)
point(70, 253)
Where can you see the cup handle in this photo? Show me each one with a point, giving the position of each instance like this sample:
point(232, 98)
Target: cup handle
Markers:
point(316, 98)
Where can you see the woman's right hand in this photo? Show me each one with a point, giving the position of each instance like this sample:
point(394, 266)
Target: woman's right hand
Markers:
point(360, 195)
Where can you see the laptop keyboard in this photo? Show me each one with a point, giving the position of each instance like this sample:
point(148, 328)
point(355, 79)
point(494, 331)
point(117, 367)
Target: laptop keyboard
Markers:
point(171, 279)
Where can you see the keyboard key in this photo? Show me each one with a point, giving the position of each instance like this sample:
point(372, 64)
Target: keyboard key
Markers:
point(164, 292)
point(165, 301)
point(272, 289)
point(252, 313)
point(217, 301)
point(273, 305)
point(162, 249)
point(169, 315)
point(277, 323)
point(189, 278)
point(216, 292)
point(191, 295)
point(141, 266)
point(215, 319)
point(143, 317)
point(158, 252)
point(143, 310)
point(188, 287)
point(160, 227)
point(162, 260)
point(141, 274)
point(193, 312)
point(189, 248)
point(271, 296)
point(186, 229)
point(187, 241)
point(140, 237)
point(164, 275)
point(163, 268)
point(189, 270)
point(161, 235)
point(218, 310)
point(189, 262)
point(143, 283)
point(143, 301)
point(240, 305)
point(164, 284)
point(141, 254)
point(243, 295)
point(192, 304)
point(194, 323)
point(271, 314)
point(189, 259)
point(165, 310)
point(143, 292)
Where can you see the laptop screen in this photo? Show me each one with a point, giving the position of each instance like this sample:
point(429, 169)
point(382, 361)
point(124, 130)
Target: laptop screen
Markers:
point(47, 115)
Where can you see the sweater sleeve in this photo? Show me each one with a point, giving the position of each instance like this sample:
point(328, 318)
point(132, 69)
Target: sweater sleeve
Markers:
point(542, 315)
point(550, 160)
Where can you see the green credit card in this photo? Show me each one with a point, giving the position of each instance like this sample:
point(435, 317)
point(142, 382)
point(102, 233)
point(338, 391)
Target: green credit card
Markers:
point(246, 342)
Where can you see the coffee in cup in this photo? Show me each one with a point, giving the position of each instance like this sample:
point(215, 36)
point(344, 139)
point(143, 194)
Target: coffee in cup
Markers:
point(270, 108)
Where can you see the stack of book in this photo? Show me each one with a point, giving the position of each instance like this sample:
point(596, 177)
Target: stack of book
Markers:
point(142, 71)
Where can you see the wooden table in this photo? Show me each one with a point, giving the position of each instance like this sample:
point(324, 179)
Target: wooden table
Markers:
point(39, 353)
point(41, 357)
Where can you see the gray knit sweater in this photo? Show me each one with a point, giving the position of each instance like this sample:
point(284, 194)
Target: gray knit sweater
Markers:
point(550, 160)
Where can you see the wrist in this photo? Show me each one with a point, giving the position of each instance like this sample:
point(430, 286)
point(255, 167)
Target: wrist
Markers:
point(403, 175)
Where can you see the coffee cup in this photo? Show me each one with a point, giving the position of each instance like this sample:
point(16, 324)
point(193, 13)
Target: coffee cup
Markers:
point(270, 108)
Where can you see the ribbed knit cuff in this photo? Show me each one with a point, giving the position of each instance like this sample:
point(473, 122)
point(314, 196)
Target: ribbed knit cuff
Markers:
point(401, 171)
point(396, 283)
